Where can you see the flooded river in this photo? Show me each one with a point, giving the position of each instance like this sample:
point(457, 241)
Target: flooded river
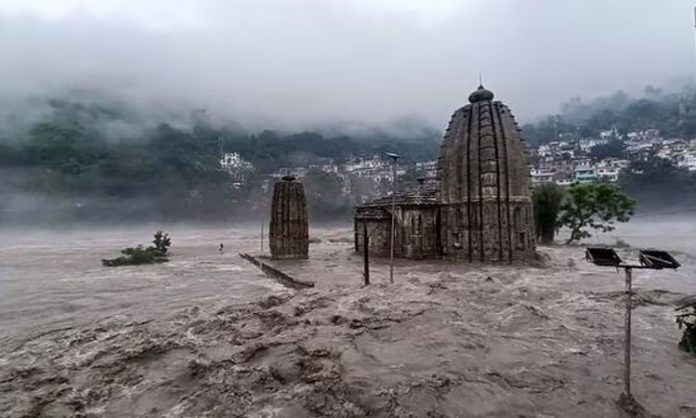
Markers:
point(52, 279)
point(208, 335)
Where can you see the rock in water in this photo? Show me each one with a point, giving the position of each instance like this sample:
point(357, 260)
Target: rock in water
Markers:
point(289, 232)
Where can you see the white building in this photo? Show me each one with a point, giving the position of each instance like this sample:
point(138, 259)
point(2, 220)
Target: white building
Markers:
point(585, 173)
point(587, 144)
point(544, 150)
point(687, 161)
point(611, 133)
point(232, 161)
point(541, 176)
point(237, 168)
point(430, 168)
point(608, 173)
point(639, 147)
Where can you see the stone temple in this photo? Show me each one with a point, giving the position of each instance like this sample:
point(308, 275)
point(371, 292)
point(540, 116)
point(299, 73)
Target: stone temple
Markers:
point(289, 232)
point(478, 209)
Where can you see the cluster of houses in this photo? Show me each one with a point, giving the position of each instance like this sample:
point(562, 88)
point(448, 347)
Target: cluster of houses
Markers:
point(681, 152)
point(237, 168)
point(568, 161)
point(360, 177)
point(563, 162)
point(581, 170)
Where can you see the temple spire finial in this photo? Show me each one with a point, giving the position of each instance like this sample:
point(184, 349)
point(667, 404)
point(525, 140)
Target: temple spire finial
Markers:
point(481, 94)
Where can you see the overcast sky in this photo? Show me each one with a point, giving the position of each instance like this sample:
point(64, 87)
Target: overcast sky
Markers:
point(304, 62)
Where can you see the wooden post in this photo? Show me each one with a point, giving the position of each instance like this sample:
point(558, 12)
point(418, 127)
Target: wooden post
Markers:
point(366, 254)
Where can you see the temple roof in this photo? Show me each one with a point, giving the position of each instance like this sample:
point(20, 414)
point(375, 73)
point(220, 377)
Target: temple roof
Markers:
point(421, 194)
point(482, 155)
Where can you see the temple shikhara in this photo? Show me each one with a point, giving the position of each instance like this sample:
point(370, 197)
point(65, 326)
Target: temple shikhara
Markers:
point(478, 209)
point(289, 232)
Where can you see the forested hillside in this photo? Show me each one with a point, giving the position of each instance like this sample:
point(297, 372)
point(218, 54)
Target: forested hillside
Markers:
point(104, 161)
point(672, 113)
point(657, 183)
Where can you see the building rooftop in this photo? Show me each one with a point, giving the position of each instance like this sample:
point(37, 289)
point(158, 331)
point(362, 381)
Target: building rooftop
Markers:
point(421, 194)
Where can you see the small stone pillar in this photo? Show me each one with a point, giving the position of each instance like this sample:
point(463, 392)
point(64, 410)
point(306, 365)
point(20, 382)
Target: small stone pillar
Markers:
point(289, 232)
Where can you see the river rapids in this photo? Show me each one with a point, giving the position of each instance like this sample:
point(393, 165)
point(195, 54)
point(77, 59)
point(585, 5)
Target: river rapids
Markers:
point(209, 335)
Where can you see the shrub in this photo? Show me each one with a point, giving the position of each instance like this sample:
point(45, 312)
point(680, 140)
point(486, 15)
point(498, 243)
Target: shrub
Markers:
point(132, 256)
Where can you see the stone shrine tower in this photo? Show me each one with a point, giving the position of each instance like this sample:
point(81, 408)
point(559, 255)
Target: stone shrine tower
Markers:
point(486, 210)
point(289, 231)
point(478, 209)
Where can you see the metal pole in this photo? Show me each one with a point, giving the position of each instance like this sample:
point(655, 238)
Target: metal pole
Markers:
point(393, 223)
point(366, 254)
point(627, 343)
point(695, 39)
point(261, 236)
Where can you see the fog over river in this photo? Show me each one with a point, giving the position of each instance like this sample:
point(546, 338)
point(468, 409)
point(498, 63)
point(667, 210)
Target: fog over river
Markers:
point(208, 334)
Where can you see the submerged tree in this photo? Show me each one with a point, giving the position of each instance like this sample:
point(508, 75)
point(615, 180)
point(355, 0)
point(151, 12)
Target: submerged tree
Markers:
point(548, 199)
point(687, 320)
point(162, 243)
point(157, 253)
point(596, 206)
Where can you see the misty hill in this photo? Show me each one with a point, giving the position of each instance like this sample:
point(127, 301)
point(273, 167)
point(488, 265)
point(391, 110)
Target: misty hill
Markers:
point(672, 113)
point(91, 156)
point(657, 183)
point(103, 159)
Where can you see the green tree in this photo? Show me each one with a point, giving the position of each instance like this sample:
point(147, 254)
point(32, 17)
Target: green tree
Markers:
point(548, 199)
point(546, 130)
point(596, 206)
point(612, 149)
point(62, 146)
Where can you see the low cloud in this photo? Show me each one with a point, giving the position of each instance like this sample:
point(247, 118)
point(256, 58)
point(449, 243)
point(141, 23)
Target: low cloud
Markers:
point(303, 63)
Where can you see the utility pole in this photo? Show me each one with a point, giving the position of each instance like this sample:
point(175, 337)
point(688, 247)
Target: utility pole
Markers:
point(627, 344)
point(648, 259)
point(695, 49)
point(394, 157)
point(366, 254)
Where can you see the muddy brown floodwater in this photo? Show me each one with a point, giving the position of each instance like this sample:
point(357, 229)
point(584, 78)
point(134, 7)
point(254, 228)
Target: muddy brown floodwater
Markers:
point(208, 335)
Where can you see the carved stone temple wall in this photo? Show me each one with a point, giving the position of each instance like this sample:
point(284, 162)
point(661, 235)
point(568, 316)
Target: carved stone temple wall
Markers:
point(486, 210)
point(480, 208)
point(289, 229)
